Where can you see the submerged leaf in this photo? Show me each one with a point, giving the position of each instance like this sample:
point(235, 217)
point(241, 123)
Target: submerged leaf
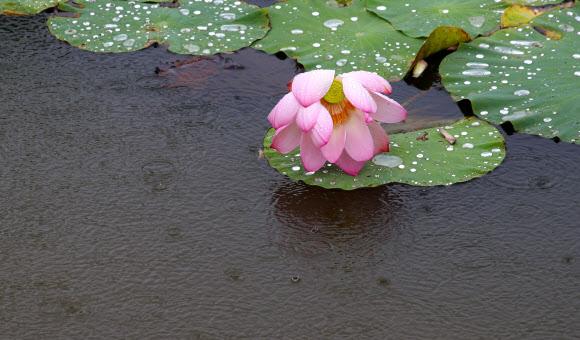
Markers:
point(344, 39)
point(195, 27)
point(422, 158)
point(519, 14)
point(519, 75)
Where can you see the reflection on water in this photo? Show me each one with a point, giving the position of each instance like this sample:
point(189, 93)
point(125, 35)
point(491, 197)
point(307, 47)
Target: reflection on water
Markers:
point(131, 209)
point(335, 229)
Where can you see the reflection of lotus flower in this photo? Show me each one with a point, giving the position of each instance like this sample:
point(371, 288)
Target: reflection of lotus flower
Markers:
point(333, 119)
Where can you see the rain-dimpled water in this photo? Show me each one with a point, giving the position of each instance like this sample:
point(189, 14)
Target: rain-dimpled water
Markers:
point(134, 205)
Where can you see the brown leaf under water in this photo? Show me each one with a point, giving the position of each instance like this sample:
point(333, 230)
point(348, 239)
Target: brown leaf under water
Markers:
point(195, 70)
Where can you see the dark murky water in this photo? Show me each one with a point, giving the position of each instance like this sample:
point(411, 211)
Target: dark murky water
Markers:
point(132, 206)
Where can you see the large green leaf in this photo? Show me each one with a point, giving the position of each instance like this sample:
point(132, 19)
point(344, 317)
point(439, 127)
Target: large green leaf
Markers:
point(478, 150)
point(25, 7)
point(344, 39)
point(519, 75)
point(195, 27)
point(420, 18)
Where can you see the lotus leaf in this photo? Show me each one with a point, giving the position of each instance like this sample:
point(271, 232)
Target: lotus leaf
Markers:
point(344, 39)
point(420, 18)
point(421, 158)
point(521, 76)
point(25, 7)
point(195, 27)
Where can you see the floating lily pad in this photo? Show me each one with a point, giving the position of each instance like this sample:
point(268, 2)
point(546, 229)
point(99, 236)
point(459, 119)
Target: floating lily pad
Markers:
point(520, 14)
point(195, 27)
point(420, 18)
point(344, 39)
point(478, 150)
point(25, 7)
point(519, 75)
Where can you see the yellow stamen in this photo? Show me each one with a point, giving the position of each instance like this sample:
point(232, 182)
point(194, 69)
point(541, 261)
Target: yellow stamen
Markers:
point(338, 111)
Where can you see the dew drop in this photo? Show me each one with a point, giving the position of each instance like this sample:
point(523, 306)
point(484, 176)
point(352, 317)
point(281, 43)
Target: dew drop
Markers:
point(522, 92)
point(120, 37)
point(547, 120)
point(108, 44)
point(388, 161)
point(129, 42)
point(483, 113)
point(192, 48)
point(341, 62)
point(220, 35)
point(381, 8)
point(315, 14)
point(467, 146)
point(70, 31)
point(476, 65)
point(297, 32)
point(526, 43)
point(345, 52)
point(445, 11)
point(477, 72)
point(577, 73)
point(566, 28)
point(479, 56)
point(295, 168)
point(486, 154)
point(288, 48)
point(228, 16)
point(381, 59)
point(333, 23)
point(184, 11)
point(508, 50)
point(476, 22)
point(233, 28)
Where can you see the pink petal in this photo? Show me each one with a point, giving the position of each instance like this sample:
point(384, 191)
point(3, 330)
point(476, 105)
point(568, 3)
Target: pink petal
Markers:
point(312, 157)
point(308, 116)
point(286, 138)
point(322, 130)
point(333, 149)
point(349, 165)
point(284, 112)
point(358, 95)
point(388, 110)
point(359, 141)
point(380, 138)
point(371, 81)
point(310, 87)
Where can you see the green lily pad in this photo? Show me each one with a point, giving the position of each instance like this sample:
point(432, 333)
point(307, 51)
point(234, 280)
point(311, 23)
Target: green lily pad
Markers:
point(344, 39)
point(195, 27)
point(26, 7)
point(420, 18)
point(519, 75)
point(478, 150)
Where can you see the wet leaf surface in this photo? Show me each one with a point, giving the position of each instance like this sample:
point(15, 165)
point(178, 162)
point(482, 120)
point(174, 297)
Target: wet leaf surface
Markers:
point(420, 18)
point(26, 7)
point(194, 27)
point(344, 39)
point(519, 75)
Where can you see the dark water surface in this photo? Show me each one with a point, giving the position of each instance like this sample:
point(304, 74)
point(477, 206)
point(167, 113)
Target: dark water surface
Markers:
point(133, 206)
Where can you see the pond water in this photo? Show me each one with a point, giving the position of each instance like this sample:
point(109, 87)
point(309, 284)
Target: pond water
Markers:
point(133, 205)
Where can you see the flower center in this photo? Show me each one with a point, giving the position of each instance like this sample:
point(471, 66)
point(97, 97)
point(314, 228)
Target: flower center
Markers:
point(335, 94)
point(338, 111)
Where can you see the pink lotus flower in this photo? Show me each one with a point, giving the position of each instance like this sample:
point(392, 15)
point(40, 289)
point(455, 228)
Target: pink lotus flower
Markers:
point(333, 119)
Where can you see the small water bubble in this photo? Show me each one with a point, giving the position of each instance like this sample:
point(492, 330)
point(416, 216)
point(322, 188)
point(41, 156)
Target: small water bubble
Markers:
point(380, 59)
point(228, 16)
point(527, 61)
point(341, 62)
point(353, 19)
point(508, 50)
point(526, 43)
point(479, 56)
point(70, 31)
point(477, 65)
point(522, 92)
point(184, 11)
point(445, 11)
point(484, 45)
point(577, 73)
point(388, 161)
point(467, 146)
point(120, 37)
point(288, 48)
point(345, 52)
point(483, 113)
point(328, 57)
point(486, 154)
point(315, 14)
point(413, 169)
point(129, 42)
point(333, 23)
point(547, 120)
point(476, 22)
point(566, 28)
point(192, 48)
point(381, 8)
point(233, 28)
point(108, 44)
point(576, 56)
point(318, 180)
point(295, 168)
point(220, 35)
point(316, 45)
point(295, 279)
point(297, 32)
point(450, 148)
point(477, 72)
